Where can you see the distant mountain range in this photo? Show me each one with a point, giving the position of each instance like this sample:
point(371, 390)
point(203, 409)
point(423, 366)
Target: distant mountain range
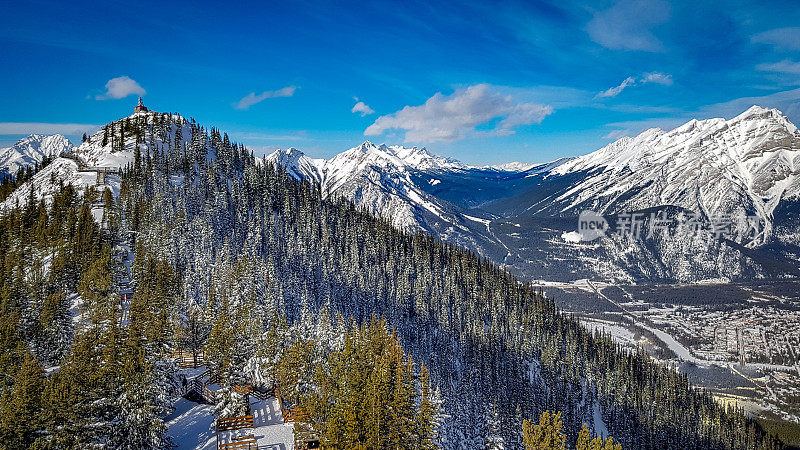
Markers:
point(743, 171)
point(525, 216)
point(30, 151)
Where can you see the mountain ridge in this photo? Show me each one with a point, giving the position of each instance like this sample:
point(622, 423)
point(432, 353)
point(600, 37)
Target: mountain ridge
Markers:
point(30, 151)
point(740, 167)
point(515, 215)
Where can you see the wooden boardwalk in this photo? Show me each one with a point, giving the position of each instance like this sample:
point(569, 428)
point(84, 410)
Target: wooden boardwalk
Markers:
point(102, 172)
point(240, 432)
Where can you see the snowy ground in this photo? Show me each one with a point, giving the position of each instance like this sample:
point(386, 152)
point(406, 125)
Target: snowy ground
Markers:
point(268, 427)
point(191, 426)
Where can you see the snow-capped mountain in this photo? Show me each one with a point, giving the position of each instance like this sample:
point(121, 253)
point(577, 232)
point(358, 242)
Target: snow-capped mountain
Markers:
point(77, 165)
point(298, 164)
point(517, 214)
point(744, 170)
point(31, 150)
point(377, 177)
point(745, 166)
point(715, 167)
point(391, 182)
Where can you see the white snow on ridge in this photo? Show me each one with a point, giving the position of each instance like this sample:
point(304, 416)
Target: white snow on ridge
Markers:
point(376, 177)
point(513, 166)
point(31, 150)
point(48, 181)
point(298, 164)
point(742, 166)
point(75, 168)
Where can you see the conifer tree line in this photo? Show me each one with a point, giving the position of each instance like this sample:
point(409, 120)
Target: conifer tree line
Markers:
point(8, 182)
point(499, 351)
point(548, 434)
point(237, 259)
point(56, 261)
point(368, 394)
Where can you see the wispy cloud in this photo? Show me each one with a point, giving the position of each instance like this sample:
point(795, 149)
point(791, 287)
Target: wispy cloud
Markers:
point(614, 91)
point(627, 25)
point(652, 77)
point(785, 66)
point(658, 78)
point(251, 99)
point(788, 102)
point(782, 38)
point(455, 116)
point(361, 108)
point(121, 87)
point(11, 128)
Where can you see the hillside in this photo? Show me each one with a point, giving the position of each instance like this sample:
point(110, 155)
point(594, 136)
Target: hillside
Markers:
point(30, 151)
point(743, 170)
point(229, 243)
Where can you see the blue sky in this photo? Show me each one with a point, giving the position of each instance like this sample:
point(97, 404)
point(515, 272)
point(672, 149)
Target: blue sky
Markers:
point(484, 82)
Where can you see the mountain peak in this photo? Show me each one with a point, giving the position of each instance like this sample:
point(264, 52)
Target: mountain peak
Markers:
point(368, 145)
point(293, 152)
point(759, 112)
point(31, 150)
point(757, 109)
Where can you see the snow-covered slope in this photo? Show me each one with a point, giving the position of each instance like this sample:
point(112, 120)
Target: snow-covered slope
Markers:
point(715, 167)
point(745, 166)
point(103, 150)
point(393, 182)
point(516, 214)
point(298, 164)
point(743, 171)
point(31, 150)
point(376, 177)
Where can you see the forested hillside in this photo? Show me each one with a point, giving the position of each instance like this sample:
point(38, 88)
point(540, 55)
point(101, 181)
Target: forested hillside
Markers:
point(226, 245)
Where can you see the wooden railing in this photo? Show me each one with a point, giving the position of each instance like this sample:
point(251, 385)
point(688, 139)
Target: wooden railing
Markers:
point(296, 414)
point(84, 168)
point(243, 390)
point(209, 395)
point(245, 442)
point(234, 423)
point(186, 359)
point(290, 415)
point(200, 384)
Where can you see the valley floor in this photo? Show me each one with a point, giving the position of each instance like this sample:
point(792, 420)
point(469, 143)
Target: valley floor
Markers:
point(738, 341)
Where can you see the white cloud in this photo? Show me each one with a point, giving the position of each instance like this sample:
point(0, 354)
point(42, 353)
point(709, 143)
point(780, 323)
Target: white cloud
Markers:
point(251, 99)
point(627, 25)
point(784, 66)
point(614, 91)
point(658, 78)
point(447, 118)
point(362, 108)
point(782, 38)
point(10, 128)
point(788, 102)
point(651, 77)
point(121, 87)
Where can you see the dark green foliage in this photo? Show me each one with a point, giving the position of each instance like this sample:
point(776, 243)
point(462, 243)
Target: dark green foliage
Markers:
point(482, 334)
point(369, 396)
point(240, 242)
